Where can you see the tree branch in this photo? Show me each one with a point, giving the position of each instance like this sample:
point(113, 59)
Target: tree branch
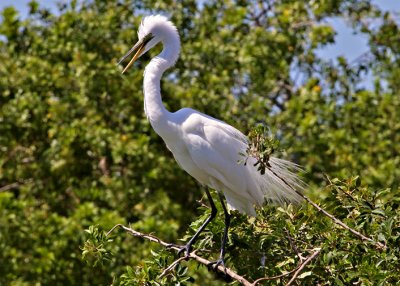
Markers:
point(9, 187)
point(377, 244)
point(229, 272)
point(296, 270)
point(172, 266)
point(293, 245)
point(14, 185)
point(309, 258)
point(274, 277)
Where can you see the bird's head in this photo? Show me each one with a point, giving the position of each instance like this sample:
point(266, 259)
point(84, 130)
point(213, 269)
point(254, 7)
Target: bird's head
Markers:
point(153, 30)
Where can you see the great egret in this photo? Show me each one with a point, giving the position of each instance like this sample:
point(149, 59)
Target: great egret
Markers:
point(207, 148)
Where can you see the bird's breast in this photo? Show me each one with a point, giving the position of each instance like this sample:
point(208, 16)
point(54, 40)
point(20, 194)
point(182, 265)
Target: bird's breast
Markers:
point(185, 161)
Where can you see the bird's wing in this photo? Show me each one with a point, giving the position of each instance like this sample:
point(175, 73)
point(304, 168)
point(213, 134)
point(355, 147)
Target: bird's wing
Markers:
point(214, 147)
point(215, 138)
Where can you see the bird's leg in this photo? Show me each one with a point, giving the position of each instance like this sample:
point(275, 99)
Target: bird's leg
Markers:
point(221, 261)
point(188, 247)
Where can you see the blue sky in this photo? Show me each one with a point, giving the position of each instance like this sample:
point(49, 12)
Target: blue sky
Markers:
point(347, 43)
point(22, 5)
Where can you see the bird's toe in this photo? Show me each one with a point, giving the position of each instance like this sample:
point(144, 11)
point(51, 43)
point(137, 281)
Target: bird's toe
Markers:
point(185, 249)
point(214, 265)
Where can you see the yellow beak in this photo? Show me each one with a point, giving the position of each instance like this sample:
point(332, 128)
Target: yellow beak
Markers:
point(139, 47)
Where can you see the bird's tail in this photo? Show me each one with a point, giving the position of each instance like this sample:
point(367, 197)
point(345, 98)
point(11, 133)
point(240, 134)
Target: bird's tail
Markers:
point(280, 184)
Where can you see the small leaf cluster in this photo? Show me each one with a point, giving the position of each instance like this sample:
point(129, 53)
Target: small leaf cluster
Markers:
point(149, 272)
point(94, 250)
point(262, 144)
point(97, 251)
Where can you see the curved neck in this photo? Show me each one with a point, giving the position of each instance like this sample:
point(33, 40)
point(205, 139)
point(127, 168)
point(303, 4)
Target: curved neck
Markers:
point(154, 108)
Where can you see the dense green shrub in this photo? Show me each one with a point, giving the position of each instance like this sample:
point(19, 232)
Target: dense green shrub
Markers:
point(76, 149)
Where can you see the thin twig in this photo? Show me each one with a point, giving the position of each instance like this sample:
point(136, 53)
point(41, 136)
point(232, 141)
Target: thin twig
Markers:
point(9, 187)
point(377, 244)
point(14, 185)
point(172, 266)
point(349, 195)
point(293, 245)
point(227, 271)
point(309, 258)
point(296, 270)
point(274, 277)
point(303, 24)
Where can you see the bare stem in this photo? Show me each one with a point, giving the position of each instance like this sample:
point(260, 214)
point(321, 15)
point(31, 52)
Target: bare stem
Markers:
point(296, 270)
point(293, 245)
point(274, 277)
point(309, 258)
point(229, 272)
point(15, 185)
point(172, 266)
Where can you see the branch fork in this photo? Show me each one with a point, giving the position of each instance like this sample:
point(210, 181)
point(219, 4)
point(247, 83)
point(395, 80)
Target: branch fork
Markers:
point(220, 268)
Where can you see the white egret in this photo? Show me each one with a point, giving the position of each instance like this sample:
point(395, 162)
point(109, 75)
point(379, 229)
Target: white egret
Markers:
point(206, 148)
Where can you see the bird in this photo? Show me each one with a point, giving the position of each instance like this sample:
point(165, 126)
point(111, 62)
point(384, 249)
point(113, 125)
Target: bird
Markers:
point(208, 149)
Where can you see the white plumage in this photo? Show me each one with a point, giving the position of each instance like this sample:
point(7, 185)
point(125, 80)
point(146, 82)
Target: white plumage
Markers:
point(206, 148)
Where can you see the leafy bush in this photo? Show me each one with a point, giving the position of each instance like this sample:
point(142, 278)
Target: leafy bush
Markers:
point(76, 149)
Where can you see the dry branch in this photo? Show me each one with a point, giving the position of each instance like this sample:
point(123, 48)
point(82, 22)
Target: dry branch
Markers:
point(172, 266)
point(9, 187)
point(377, 244)
point(14, 185)
point(309, 258)
point(296, 270)
point(227, 271)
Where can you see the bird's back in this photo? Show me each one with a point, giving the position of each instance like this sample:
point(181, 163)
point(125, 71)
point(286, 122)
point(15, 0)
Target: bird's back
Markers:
point(208, 149)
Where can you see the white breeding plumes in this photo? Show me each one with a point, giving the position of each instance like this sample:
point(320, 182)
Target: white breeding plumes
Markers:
point(206, 148)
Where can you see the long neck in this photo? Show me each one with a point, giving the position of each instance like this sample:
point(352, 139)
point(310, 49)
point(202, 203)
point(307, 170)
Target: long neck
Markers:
point(153, 105)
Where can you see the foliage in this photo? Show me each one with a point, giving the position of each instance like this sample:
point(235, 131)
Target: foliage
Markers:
point(149, 273)
point(261, 146)
point(76, 149)
point(94, 250)
point(278, 243)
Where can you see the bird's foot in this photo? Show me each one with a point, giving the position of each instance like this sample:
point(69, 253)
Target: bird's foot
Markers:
point(223, 275)
point(214, 265)
point(185, 249)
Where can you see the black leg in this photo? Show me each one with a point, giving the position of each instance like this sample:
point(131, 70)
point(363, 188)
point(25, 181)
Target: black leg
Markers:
point(221, 261)
point(227, 224)
point(188, 247)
